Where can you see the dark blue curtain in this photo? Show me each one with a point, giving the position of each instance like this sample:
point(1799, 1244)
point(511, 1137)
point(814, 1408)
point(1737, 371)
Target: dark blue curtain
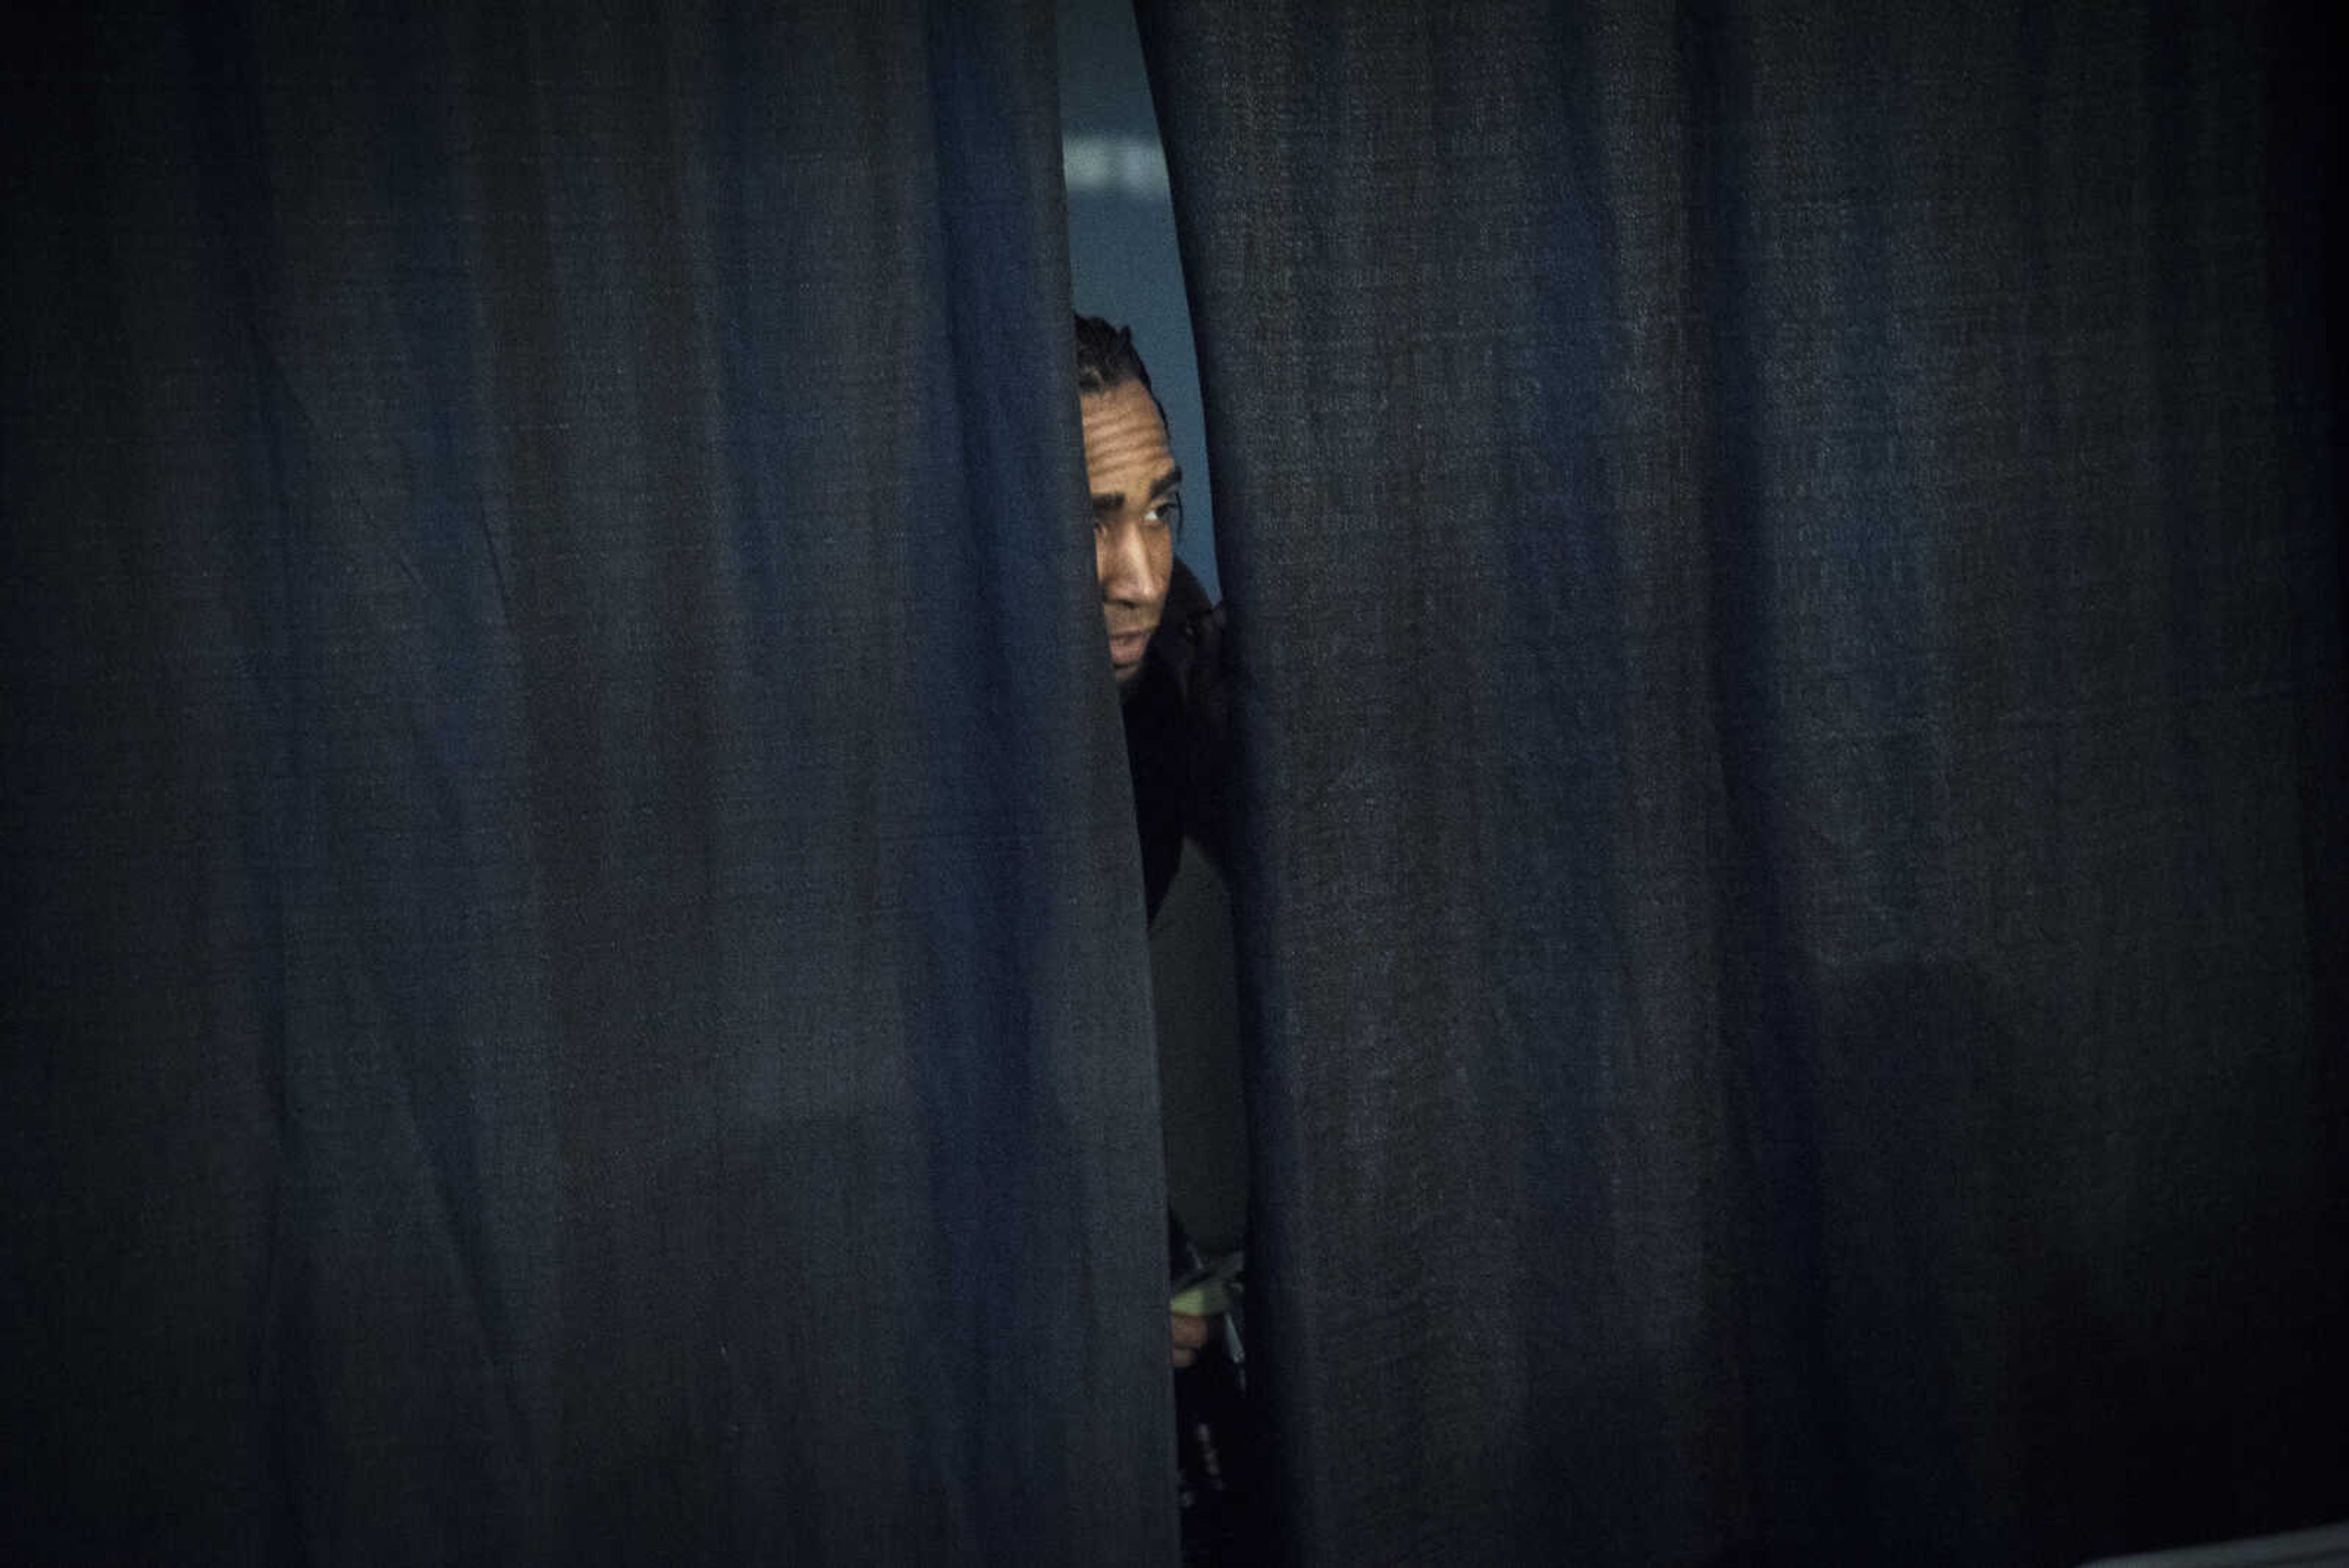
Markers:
point(1786, 595)
point(574, 952)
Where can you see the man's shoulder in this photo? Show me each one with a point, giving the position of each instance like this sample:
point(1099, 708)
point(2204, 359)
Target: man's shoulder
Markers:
point(1190, 630)
point(1186, 600)
point(1177, 730)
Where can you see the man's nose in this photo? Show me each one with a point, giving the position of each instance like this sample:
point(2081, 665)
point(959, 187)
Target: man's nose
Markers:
point(1123, 559)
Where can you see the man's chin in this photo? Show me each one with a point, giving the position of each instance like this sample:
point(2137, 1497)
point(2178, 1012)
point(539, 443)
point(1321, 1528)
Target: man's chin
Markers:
point(1127, 650)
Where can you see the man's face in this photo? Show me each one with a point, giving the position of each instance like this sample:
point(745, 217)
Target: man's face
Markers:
point(1136, 495)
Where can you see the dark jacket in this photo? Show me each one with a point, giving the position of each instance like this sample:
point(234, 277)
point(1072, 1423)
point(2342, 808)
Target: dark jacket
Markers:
point(1178, 737)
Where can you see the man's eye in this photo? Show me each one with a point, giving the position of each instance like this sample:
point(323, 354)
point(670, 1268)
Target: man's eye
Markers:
point(1167, 514)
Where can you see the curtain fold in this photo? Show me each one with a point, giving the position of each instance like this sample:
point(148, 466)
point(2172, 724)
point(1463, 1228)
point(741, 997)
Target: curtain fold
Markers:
point(575, 963)
point(1786, 600)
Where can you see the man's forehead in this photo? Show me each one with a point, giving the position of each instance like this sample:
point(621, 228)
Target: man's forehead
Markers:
point(1124, 436)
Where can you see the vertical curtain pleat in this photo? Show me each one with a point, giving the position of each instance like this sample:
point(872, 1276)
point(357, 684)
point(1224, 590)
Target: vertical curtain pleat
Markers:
point(1786, 601)
point(575, 972)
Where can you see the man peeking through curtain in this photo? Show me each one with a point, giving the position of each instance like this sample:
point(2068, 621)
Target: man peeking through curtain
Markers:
point(1166, 640)
point(1166, 646)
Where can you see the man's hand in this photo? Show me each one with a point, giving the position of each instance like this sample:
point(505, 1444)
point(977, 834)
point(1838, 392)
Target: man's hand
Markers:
point(1190, 1336)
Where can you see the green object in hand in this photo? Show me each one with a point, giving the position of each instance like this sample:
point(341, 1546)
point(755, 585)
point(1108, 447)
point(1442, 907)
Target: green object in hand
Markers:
point(1202, 1299)
point(1208, 1290)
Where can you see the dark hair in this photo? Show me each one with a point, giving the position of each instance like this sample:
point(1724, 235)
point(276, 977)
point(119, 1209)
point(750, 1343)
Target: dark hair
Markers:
point(1106, 359)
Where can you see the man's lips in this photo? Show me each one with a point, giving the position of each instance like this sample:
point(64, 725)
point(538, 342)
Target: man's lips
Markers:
point(1125, 646)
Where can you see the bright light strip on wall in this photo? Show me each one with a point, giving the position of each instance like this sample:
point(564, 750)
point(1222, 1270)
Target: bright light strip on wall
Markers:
point(1113, 166)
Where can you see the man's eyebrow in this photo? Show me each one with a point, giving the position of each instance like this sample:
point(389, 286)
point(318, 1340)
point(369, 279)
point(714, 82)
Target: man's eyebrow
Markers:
point(1107, 503)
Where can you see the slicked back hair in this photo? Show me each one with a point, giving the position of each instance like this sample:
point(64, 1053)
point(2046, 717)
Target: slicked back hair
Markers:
point(1106, 359)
